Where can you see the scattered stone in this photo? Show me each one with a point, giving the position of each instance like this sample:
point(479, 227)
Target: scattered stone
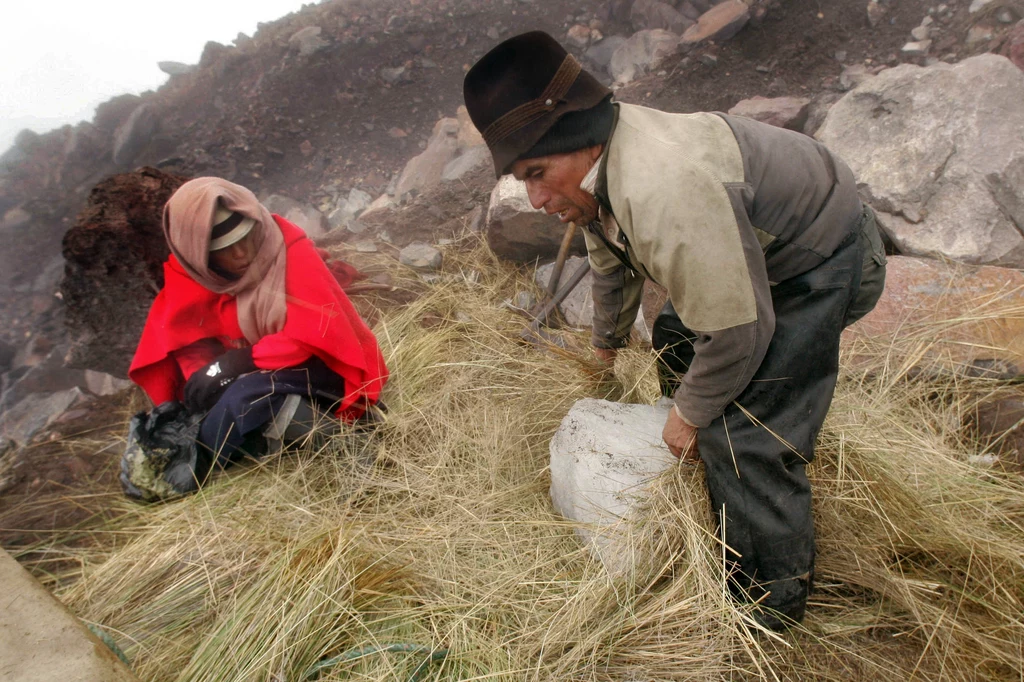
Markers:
point(366, 246)
point(15, 218)
point(998, 424)
point(306, 147)
point(397, 133)
point(916, 49)
point(134, 134)
point(35, 412)
point(421, 257)
point(1005, 16)
point(688, 10)
point(101, 383)
point(876, 13)
point(604, 457)
point(651, 14)
point(578, 36)
point(937, 151)
point(308, 41)
point(425, 170)
point(517, 231)
point(599, 54)
point(978, 5)
point(980, 34)
point(719, 23)
point(919, 33)
point(782, 112)
point(176, 68)
point(818, 110)
point(380, 204)
point(394, 76)
point(707, 59)
point(356, 226)
point(854, 75)
point(468, 136)
point(641, 52)
point(312, 221)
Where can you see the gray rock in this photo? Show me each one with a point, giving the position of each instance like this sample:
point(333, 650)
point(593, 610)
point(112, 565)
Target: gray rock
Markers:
point(475, 221)
point(425, 170)
point(101, 383)
point(366, 246)
point(132, 136)
point(176, 68)
point(578, 306)
point(308, 41)
point(979, 34)
point(876, 12)
point(516, 231)
point(978, 5)
point(641, 53)
point(421, 257)
point(919, 33)
point(394, 75)
point(854, 75)
point(719, 23)
point(648, 14)
point(939, 153)
point(15, 219)
point(916, 49)
point(473, 159)
point(818, 110)
point(600, 53)
point(604, 457)
point(35, 412)
point(782, 112)
point(312, 221)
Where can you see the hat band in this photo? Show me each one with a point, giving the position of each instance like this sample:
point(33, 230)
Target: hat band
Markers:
point(527, 113)
point(235, 234)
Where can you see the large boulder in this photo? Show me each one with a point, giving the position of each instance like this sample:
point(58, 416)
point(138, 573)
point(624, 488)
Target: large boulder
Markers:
point(947, 311)
point(425, 170)
point(519, 232)
point(114, 257)
point(640, 53)
point(312, 221)
point(578, 306)
point(603, 458)
point(939, 152)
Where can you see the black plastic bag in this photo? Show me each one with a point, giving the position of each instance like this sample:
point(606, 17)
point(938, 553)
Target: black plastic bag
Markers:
point(162, 459)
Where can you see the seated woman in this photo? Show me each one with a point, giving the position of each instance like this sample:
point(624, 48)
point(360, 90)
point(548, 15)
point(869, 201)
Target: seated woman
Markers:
point(249, 315)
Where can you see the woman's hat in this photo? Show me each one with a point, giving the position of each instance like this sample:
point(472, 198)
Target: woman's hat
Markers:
point(228, 227)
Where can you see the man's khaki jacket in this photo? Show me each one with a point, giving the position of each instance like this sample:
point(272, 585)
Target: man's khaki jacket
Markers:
point(717, 209)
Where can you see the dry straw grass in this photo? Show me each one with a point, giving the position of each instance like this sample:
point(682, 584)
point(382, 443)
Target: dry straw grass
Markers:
point(449, 540)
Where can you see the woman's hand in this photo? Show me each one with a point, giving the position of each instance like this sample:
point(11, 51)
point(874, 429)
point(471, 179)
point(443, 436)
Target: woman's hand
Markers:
point(680, 437)
point(207, 384)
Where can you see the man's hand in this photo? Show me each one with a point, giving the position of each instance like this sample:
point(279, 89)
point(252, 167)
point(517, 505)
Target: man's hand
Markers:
point(606, 355)
point(680, 437)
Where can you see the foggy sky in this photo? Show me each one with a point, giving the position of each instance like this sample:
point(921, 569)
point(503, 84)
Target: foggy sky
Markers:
point(59, 59)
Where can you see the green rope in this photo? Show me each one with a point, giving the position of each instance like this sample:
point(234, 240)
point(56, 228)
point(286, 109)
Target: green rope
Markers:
point(109, 641)
point(435, 655)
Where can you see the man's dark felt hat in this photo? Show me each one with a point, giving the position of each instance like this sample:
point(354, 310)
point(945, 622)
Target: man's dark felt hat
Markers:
point(518, 90)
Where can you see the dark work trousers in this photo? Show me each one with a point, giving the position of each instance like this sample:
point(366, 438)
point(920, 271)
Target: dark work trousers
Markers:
point(755, 464)
point(252, 400)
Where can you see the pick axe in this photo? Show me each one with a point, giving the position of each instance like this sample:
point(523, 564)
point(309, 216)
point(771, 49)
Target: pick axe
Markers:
point(556, 295)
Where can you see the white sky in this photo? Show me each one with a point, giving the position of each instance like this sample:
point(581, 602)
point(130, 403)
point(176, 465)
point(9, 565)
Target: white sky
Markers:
point(60, 58)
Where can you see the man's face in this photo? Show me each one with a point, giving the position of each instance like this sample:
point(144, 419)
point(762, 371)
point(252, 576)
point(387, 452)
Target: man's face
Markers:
point(553, 184)
point(236, 258)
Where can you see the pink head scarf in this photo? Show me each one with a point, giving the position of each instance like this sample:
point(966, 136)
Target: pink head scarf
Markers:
point(260, 292)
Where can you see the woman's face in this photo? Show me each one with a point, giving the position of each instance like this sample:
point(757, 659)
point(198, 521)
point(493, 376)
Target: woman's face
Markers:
point(236, 258)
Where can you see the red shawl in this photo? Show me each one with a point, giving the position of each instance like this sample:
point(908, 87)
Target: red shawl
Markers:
point(320, 319)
